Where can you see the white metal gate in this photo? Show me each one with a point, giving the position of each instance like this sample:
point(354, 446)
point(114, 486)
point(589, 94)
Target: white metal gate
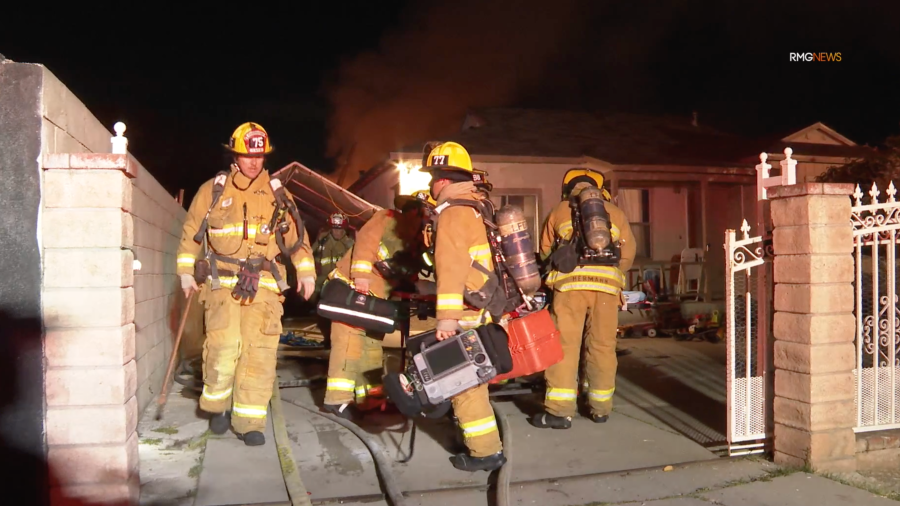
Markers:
point(748, 313)
point(877, 372)
point(746, 317)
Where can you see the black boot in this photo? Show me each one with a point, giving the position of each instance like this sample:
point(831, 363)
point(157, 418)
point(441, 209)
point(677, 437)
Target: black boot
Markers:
point(464, 462)
point(220, 422)
point(345, 411)
point(254, 438)
point(599, 418)
point(547, 421)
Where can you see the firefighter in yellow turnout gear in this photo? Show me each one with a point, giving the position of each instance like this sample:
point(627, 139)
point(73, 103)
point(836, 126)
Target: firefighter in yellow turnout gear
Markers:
point(460, 241)
point(331, 247)
point(589, 292)
point(355, 364)
point(243, 296)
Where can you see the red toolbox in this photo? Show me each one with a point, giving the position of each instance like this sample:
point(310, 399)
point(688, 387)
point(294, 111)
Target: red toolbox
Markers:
point(534, 345)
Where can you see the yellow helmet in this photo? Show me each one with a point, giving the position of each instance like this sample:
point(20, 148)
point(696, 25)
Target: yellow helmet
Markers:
point(575, 176)
point(249, 139)
point(421, 196)
point(448, 156)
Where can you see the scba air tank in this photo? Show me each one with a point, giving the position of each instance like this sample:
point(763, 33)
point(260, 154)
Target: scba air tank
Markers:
point(518, 248)
point(594, 218)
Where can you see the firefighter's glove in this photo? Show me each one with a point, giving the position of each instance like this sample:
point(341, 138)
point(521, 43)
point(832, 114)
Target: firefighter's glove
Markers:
point(247, 284)
point(426, 287)
point(306, 287)
point(362, 285)
point(446, 328)
point(188, 284)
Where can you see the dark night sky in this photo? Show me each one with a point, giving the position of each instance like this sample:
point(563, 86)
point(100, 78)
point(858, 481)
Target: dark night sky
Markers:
point(388, 73)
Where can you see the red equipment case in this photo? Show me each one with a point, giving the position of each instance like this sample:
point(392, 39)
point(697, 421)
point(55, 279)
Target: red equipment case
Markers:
point(534, 345)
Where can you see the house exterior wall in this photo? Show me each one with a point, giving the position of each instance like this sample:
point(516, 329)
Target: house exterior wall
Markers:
point(669, 222)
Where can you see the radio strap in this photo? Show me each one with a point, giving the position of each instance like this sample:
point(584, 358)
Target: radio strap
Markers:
point(217, 190)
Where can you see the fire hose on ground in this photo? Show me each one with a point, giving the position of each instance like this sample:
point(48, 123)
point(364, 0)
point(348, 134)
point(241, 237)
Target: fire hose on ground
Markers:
point(186, 376)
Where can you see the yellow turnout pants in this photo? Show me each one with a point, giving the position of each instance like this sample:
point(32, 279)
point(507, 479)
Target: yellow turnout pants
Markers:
point(476, 420)
point(569, 311)
point(239, 357)
point(354, 364)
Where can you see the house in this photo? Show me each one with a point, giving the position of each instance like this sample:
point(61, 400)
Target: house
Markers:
point(681, 184)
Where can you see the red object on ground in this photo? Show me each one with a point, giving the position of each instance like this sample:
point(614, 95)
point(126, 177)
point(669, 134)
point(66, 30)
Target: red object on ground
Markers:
point(534, 345)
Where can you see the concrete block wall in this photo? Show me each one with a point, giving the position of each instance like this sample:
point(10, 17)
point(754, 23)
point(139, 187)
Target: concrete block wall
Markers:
point(158, 298)
point(814, 329)
point(109, 328)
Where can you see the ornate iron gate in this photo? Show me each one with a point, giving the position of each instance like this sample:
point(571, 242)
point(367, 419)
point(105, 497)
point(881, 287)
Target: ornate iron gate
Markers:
point(877, 372)
point(748, 317)
point(747, 314)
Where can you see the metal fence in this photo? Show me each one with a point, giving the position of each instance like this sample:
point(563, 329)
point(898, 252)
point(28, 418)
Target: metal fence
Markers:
point(745, 262)
point(877, 372)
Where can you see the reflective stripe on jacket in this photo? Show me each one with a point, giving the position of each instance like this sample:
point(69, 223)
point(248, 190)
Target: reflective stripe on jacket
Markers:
point(461, 240)
point(596, 278)
point(225, 232)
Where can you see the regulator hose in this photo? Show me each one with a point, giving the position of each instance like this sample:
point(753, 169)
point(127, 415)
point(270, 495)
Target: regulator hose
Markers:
point(506, 471)
point(381, 463)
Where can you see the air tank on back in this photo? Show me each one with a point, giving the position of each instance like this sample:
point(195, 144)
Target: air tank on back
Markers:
point(518, 248)
point(594, 218)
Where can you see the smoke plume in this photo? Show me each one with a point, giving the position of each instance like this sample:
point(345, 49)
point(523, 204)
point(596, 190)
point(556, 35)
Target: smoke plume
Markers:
point(444, 58)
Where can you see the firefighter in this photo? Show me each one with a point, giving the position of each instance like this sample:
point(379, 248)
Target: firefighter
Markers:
point(331, 247)
point(460, 240)
point(243, 296)
point(355, 363)
point(589, 293)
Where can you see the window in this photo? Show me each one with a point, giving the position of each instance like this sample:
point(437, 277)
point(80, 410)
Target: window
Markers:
point(635, 202)
point(528, 203)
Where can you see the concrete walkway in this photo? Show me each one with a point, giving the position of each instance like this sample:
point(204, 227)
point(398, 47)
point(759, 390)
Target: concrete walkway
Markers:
point(737, 482)
point(669, 411)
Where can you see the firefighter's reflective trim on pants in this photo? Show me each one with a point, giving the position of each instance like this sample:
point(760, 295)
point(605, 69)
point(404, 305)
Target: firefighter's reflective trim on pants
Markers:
point(341, 385)
point(449, 302)
point(561, 394)
point(215, 396)
point(361, 266)
point(602, 395)
point(479, 427)
point(185, 260)
point(248, 411)
point(305, 266)
point(383, 253)
point(233, 229)
point(264, 282)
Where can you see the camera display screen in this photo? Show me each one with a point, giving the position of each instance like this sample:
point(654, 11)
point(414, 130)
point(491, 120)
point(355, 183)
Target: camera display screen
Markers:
point(443, 358)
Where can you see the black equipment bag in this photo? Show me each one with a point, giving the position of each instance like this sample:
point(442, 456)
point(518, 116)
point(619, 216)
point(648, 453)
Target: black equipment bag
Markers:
point(340, 303)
